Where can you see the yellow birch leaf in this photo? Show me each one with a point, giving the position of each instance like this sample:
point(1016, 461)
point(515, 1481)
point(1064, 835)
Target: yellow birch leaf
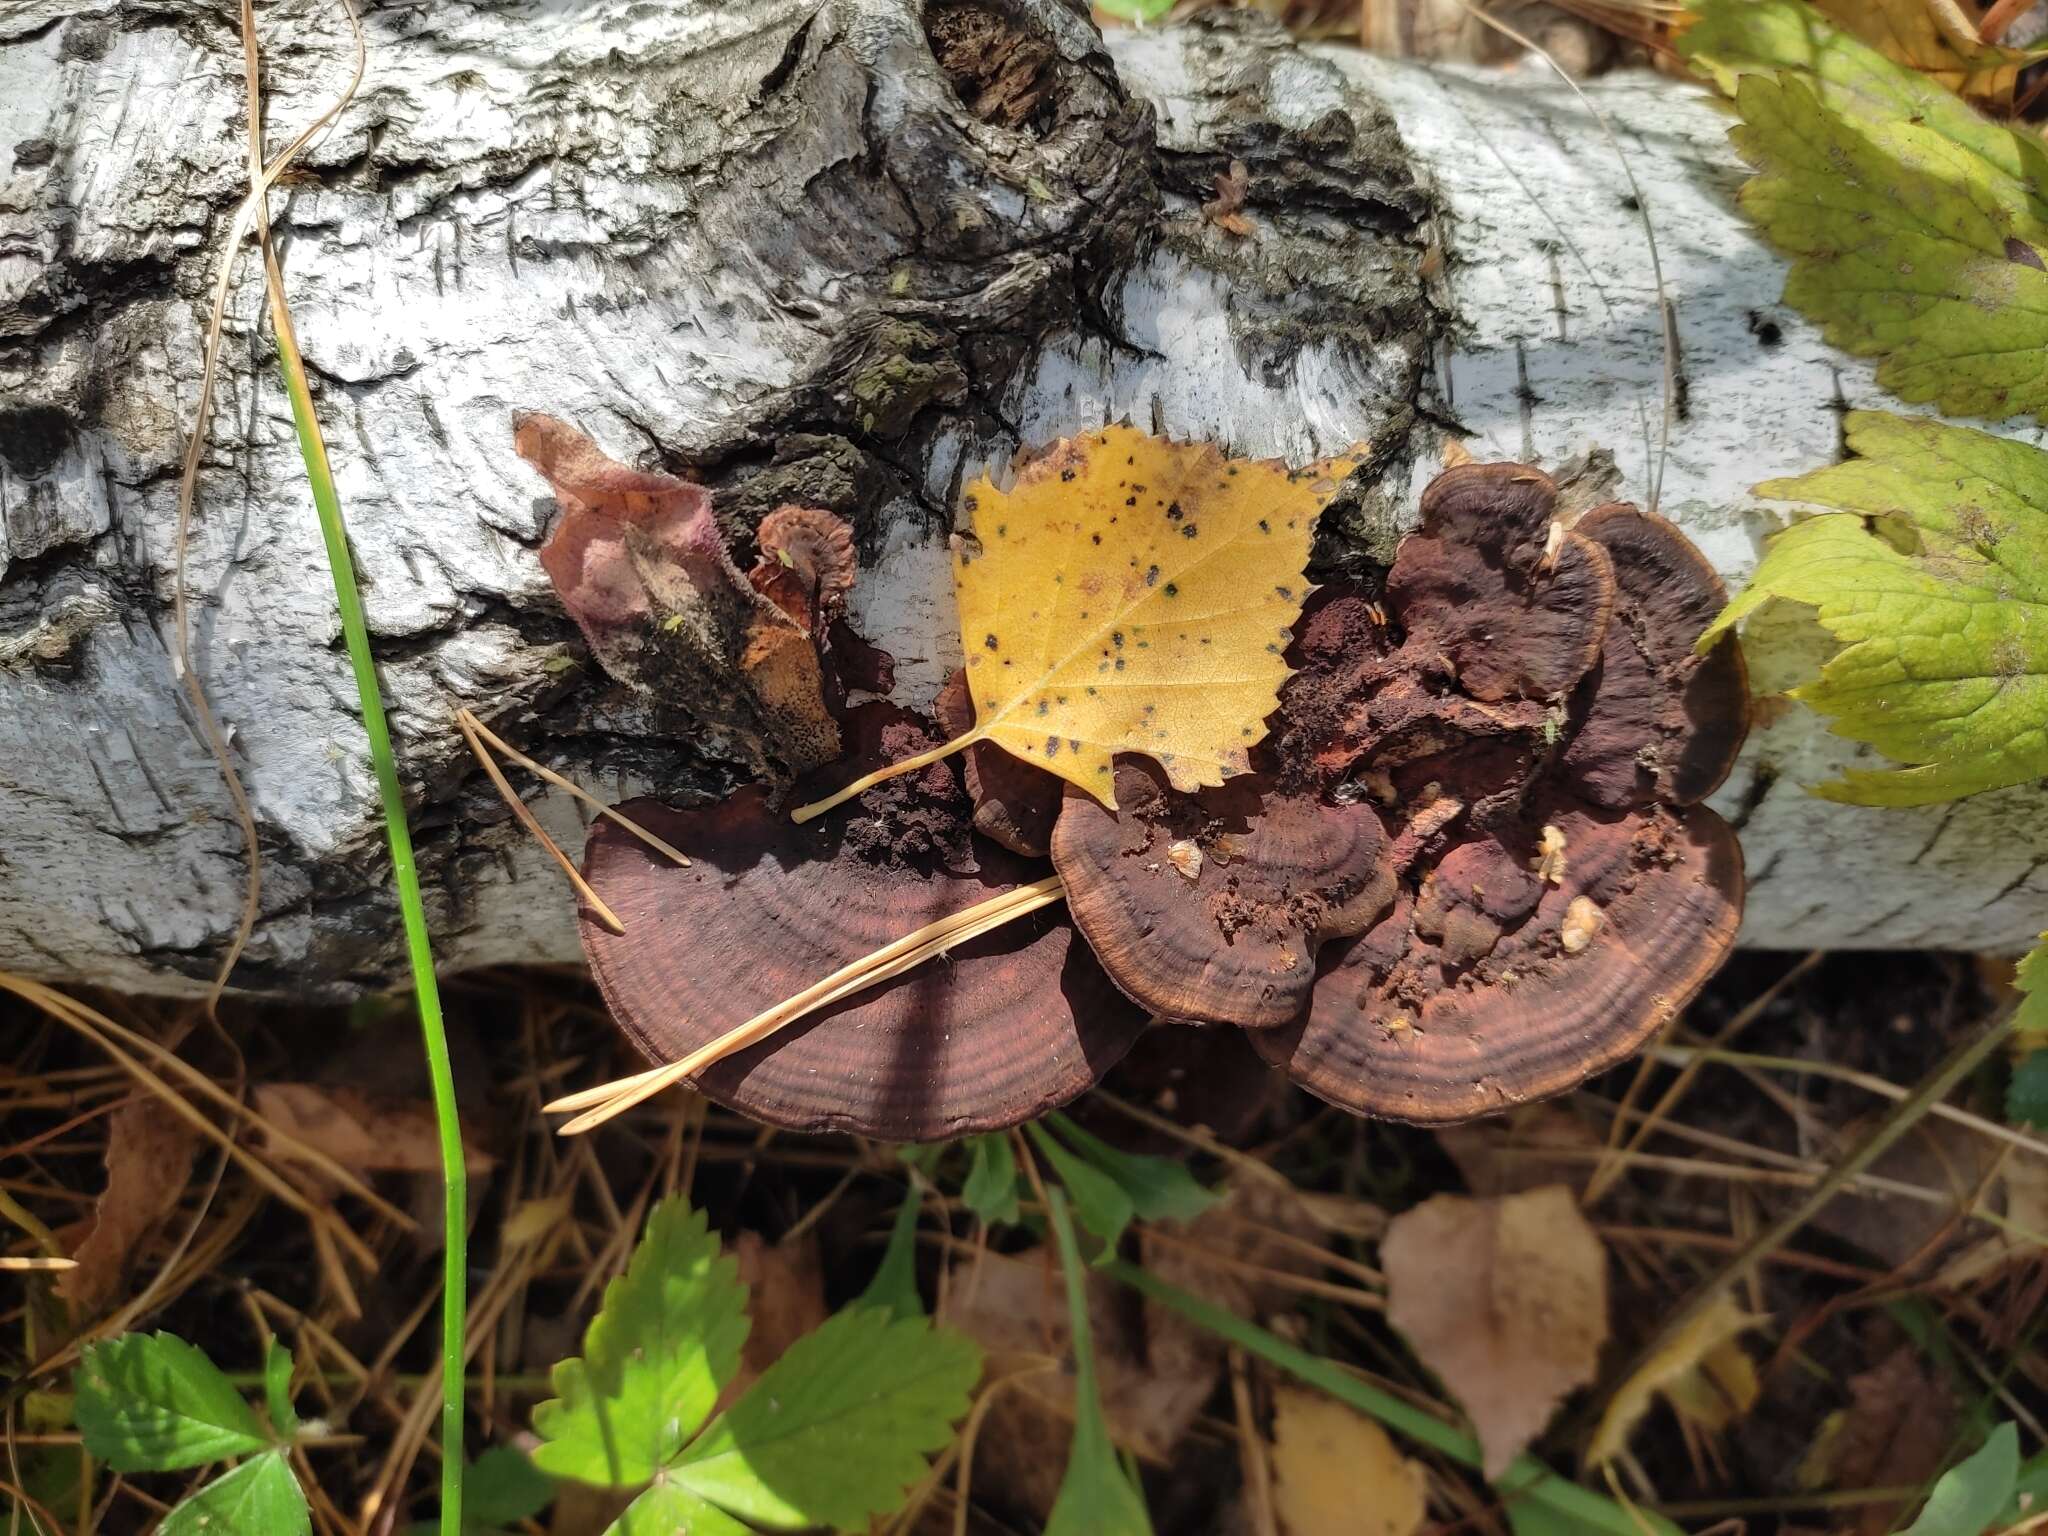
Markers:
point(1130, 594)
point(1337, 1473)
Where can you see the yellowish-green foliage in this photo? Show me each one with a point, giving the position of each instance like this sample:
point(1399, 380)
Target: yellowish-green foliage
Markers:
point(1917, 227)
point(1133, 595)
point(1907, 32)
point(1934, 576)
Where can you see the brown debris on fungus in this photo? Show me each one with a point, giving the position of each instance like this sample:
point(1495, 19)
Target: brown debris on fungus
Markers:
point(1469, 1001)
point(1002, 1029)
point(1528, 704)
point(637, 559)
point(1210, 907)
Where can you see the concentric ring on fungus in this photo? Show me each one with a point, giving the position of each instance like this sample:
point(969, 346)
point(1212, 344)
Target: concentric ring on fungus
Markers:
point(1000, 1030)
point(1561, 894)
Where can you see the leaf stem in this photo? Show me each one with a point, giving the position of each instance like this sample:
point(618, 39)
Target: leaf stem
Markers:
point(405, 875)
point(911, 764)
point(1526, 1477)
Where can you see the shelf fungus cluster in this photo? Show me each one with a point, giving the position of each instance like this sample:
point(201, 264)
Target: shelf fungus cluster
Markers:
point(1468, 867)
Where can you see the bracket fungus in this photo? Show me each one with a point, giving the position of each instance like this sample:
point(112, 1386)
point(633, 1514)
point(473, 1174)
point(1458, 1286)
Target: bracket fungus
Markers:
point(1210, 907)
point(1562, 893)
point(1011, 1024)
point(1463, 865)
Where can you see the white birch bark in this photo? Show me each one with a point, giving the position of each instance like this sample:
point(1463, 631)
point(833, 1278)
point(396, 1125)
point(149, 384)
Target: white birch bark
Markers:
point(768, 241)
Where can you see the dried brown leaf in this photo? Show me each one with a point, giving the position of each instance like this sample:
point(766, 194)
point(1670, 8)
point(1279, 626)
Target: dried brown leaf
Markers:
point(1505, 1300)
point(148, 1159)
point(367, 1132)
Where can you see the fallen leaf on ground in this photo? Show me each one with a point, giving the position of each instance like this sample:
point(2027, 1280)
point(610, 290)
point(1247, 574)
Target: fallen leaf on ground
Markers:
point(366, 1132)
point(1337, 1473)
point(1505, 1300)
point(1506, 1154)
point(1128, 594)
point(1153, 1372)
point(1895, 1433)
point(148, 1158)
point(1696, 1371)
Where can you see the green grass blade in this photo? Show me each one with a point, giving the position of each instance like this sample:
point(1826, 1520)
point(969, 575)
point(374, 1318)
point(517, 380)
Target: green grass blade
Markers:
point(405, 874)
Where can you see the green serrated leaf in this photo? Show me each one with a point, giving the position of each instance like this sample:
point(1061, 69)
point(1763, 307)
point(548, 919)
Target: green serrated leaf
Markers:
point(1917, 228)
point(1096, 1498)
point(991, 1187)
point(894, 1287)
point(1733, 38)
point(836, 1431)
point(503, 1487)
point(664, 1343)
point(1158, 1188)
point(1938, 591)
point(153, 1403)
point(1099, 1201)
point(668, 1510)
point(1971, 1493)
point(277, 1390)
point(258, 1498)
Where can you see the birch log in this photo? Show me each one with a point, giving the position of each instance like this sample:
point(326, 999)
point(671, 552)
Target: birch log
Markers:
point(838, 251)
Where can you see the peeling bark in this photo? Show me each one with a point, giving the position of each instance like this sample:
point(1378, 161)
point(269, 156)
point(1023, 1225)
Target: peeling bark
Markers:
point(841, 253)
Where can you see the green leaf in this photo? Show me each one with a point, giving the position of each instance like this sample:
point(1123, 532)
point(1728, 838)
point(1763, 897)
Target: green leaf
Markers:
point(1526, 1517)
point(1938, 590)
point(2026, 1096)
point(1095, 1497)
point(153, 1403)
point(1137, 11)
point(277, 1390)
point(991, 1187)
point(1971, 1493)
point(499, 1489)
point(1917, 228)
point(2029, 1493)
point(836, 1431)
point(1734, 38)
point(663, 1345)
point(1099, 1201)
point(59, 1478)
point(667, 1510)
point(502, 1487)
point(258, 1498)
point(894, 1288)
point(2026, 1100)
point(1157, 1187)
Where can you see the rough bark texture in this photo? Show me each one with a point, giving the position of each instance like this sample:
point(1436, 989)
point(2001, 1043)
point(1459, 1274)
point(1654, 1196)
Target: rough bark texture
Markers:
point(842, 252)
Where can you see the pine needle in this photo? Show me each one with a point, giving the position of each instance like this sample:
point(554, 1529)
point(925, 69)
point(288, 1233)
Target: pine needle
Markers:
point(934, 939)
